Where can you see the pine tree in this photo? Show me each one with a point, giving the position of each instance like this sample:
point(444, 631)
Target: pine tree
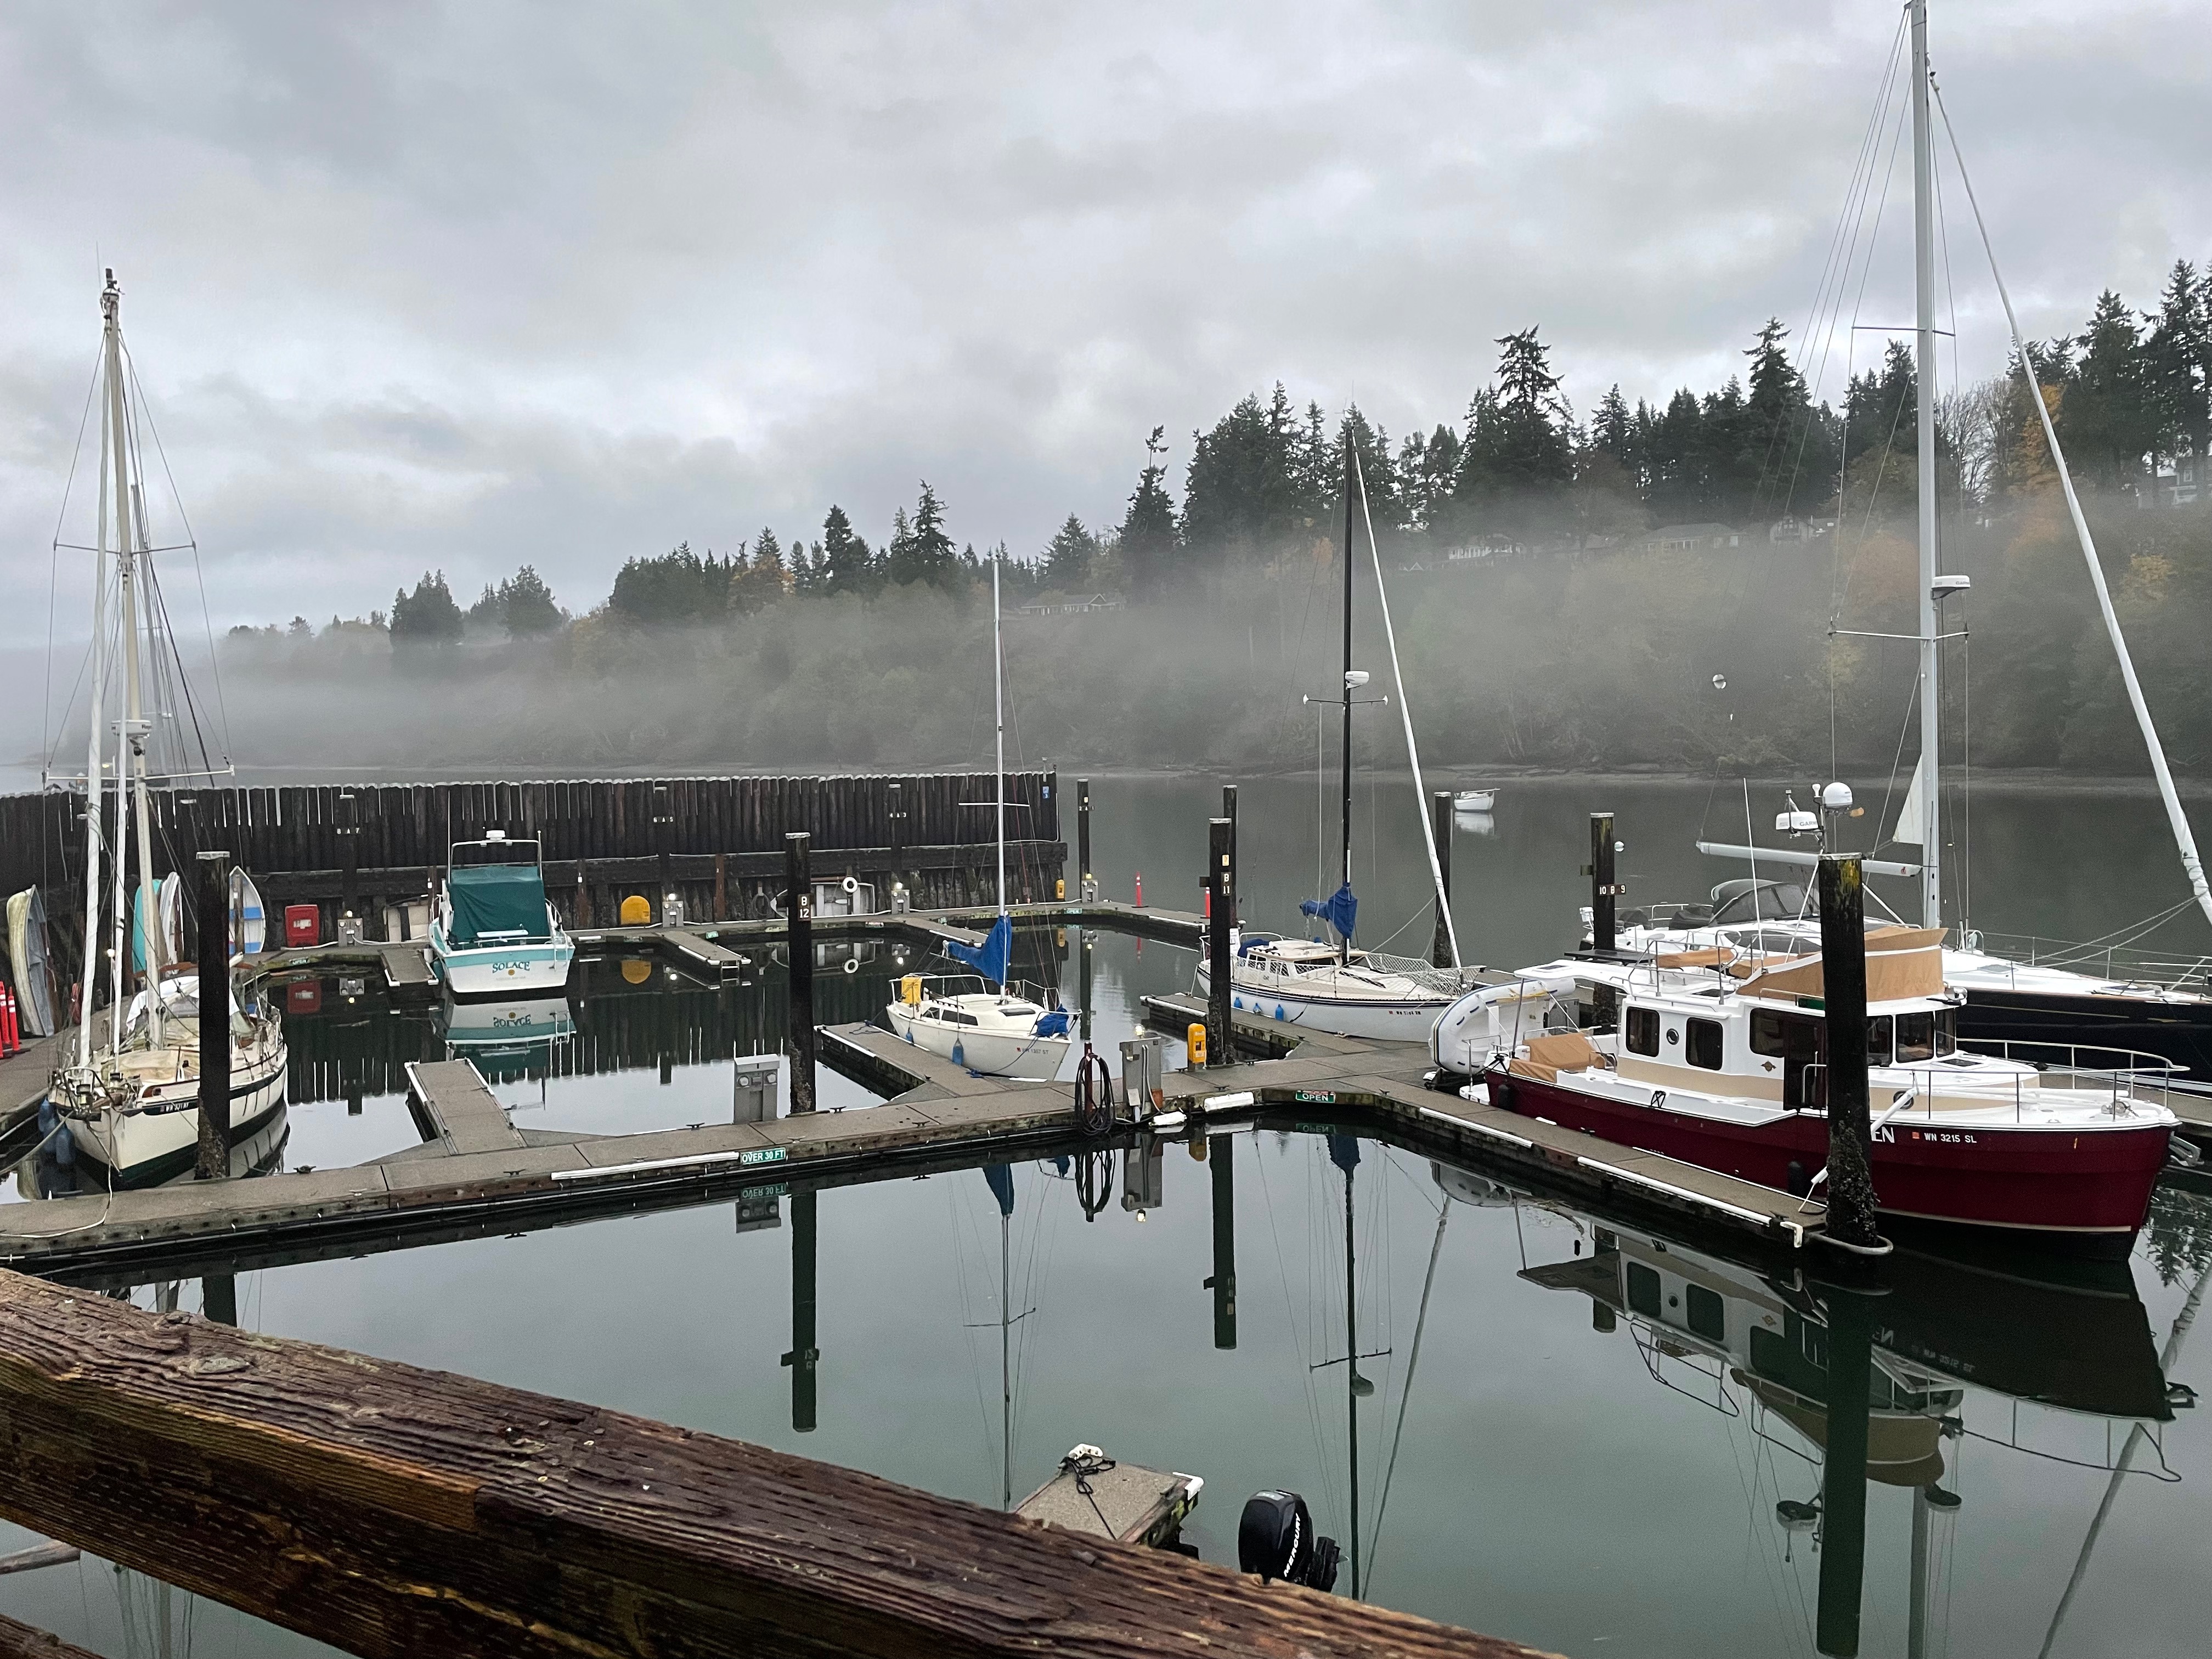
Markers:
point(932, 550)
point(526, 606)
point(1148, 541)
point(1519, 448)
point(428, 616)
point(2177, 365)
point(1613, 430)
point(847, 566)
point(2112, 420)
point(1787, 460)
point(1377, 469)
point(677, 589)
point(1244, 488)
point(763, 580)
point(1069, 556)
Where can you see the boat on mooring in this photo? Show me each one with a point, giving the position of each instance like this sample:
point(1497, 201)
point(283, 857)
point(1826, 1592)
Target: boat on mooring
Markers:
point(492, 932)
point(978, 1019)
point(1731, 1074)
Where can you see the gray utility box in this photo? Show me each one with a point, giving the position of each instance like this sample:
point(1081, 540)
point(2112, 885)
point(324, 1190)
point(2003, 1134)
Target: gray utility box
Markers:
point(1143, 1061)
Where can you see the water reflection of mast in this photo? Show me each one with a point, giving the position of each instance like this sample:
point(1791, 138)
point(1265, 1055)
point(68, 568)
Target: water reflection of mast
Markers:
point(2136, 1435)
point(1001, 1179)
point(1344, 1152)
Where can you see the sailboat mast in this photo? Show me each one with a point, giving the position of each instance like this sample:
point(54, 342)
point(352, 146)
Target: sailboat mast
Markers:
point(1923, 294)
point(119, 512)
point(1344, 945)
point(999, 698)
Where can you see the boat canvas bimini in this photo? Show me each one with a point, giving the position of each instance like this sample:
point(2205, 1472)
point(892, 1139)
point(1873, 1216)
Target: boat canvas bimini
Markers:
point(492, 932)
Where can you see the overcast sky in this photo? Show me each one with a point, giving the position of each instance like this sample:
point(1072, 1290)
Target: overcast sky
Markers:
point(466, 286)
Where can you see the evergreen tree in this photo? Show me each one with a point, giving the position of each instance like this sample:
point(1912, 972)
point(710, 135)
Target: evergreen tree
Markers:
point(1372, 444)
point(763, 579)
point(2112, 420)
point(526, 606)
point(1788, 457)
point(2178, 368)
point(929, 550)
point(678, 588)
point(847, 566)
point(1244, 489)
point(1520, 449)
point(1612, 431)
point(428, 616)
point(1069, 556)
point(1148, 540)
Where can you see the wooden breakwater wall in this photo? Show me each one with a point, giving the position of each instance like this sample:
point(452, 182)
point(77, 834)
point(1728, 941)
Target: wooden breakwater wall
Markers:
point(722, 839)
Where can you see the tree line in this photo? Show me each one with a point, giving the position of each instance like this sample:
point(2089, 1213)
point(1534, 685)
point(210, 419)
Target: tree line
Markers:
point(2131, 396)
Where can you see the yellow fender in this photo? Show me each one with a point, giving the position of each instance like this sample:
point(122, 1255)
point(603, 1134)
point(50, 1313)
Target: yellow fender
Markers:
point(636, 911)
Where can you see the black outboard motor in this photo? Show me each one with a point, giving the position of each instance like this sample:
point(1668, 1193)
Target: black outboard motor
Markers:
point(1275, 1539)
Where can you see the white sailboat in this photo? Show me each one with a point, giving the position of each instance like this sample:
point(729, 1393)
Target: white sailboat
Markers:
point(979, 1020)
point(1338, 989)
point(129, 1094)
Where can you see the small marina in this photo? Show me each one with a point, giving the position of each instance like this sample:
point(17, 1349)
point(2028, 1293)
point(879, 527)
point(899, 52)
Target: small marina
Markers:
point(1463, 1045)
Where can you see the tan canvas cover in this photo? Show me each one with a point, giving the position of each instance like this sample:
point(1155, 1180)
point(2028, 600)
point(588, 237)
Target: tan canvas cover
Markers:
point(1713, 958)
point(1548, 1057)
point(1900, 961)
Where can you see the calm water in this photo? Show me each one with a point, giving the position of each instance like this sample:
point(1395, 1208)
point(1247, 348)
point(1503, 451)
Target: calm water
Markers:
point(1581, 1458)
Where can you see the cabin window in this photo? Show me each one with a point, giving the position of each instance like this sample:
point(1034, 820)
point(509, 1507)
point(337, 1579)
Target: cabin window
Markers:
point(959, 1018)
point(1708, 1317)
point(1705, 1044)
point(1643, 1290)
point(1915, 1037)
point(1642, 1030)
point(1767, 1033)
point(1947, 1031)
point(1879, 1038)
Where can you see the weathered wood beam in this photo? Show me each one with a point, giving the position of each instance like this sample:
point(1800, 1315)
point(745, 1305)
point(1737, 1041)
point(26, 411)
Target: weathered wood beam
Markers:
point(21, 1641)
point(392, 1510)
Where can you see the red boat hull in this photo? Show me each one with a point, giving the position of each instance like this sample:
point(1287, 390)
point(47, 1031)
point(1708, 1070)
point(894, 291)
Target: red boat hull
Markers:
point(2046, 1180)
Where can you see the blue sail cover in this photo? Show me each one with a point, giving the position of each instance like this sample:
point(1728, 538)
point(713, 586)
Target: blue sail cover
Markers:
point(1341, 909)
point(1001, 1179)
point(989, 958)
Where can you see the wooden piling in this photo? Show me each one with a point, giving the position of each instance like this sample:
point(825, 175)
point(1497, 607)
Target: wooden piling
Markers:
point(1221, 1157)
point(803, 1355)
point(212, 1158)
point(1440, 825)
point(1220, 865)
point(1843, 988)
point(1604, 887)
point(1843, 1470)
point(1229, 811)
point(1087, 883)
point(799, 899)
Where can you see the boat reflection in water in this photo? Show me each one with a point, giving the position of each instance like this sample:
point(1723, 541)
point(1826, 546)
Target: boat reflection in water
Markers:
point(57, 1168)
point(509, 1040)
point(1867, 1382)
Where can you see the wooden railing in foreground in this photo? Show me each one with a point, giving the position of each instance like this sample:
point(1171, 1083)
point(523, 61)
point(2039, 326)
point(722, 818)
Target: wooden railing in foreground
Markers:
point(395, 1511)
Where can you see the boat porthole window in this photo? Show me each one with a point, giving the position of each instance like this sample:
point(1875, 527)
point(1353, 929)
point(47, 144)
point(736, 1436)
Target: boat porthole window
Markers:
point(1643, 1031)
point(1674, 1034)
point(1705, 1043)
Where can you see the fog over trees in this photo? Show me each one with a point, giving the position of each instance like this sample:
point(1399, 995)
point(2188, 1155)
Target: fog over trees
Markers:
point(1568, 586)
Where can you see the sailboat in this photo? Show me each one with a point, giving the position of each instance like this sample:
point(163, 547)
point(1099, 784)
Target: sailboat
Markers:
point(131, 1098)
point(2031, 1003)
point(1337, 988)
point(994, 1032)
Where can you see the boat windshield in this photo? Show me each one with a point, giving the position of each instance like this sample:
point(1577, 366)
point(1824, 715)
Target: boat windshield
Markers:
point(1758, 901)
point(1905, 1039)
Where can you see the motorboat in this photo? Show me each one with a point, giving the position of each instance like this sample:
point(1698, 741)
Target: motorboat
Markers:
point(1758, 919)
point(978, 1019)
point(1730, 1073)
point(1475, 800)
point(492, 933)
point(1357, 992)
point(136, 1112)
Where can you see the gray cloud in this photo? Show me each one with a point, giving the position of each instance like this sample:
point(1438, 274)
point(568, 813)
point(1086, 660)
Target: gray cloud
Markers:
point(468, 285)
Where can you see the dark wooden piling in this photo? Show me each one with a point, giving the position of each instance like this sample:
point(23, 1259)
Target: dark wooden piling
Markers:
point(1087, 882)
point(664, 830)
point(803, 1356)
point(392, 1510)
point(346, 826)
point(1440, 825)
point(212, 1158)
point(1605, 888)
point(1842, 987)
point(1221, 1159)
point(798, 898)
point(1843, 1473)
point(1221, 883)
point(1229, 811)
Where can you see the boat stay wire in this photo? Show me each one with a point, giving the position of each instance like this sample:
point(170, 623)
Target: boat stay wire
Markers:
point(2185, 839)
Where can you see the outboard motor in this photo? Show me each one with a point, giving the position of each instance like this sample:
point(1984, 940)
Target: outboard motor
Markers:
point(1275, 1539)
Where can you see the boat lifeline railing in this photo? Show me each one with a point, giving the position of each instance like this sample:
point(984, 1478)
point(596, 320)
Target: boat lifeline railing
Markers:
point(2120, 963)
point(2125, 1078)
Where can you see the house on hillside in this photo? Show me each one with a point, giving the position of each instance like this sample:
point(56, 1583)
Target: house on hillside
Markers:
point(1789, 528)
point(1054, 603)
point(1688, 537)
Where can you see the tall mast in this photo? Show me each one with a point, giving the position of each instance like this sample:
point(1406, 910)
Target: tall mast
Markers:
point(94, 787)
point(1351, 1376)
point(119, 511)
point(1923, 294)
point(1344, 945)
point(999, 698)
